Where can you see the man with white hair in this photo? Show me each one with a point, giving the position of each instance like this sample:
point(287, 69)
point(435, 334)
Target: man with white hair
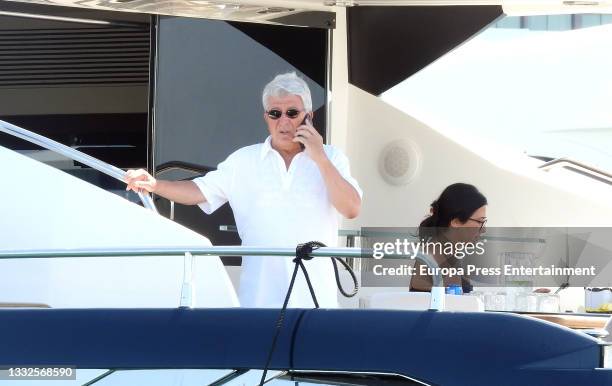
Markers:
point(283, 192)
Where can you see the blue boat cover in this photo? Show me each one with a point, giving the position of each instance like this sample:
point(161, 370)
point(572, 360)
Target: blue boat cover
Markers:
point(443, 348)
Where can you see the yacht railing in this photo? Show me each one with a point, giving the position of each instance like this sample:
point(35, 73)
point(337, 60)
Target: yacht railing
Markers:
point(182, 166)
point(73, 154)
point(189, 252)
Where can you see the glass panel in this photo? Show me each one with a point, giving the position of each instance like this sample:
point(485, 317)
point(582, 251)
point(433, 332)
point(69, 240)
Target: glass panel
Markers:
point(190, 377)
point(345, 379)
point(252, 377)
point(163, 377)
point(289, 382)
point(540, 85)
point(82, 376)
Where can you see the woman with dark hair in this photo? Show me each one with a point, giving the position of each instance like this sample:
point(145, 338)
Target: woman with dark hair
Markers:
point(457, 216)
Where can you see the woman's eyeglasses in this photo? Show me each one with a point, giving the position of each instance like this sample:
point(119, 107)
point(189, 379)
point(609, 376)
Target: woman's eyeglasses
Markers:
point(276, 113)
point(481, 222)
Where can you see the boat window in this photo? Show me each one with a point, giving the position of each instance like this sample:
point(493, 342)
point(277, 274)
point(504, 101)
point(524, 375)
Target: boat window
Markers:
point(343, 378)
point(540, 85)
point(217, 377)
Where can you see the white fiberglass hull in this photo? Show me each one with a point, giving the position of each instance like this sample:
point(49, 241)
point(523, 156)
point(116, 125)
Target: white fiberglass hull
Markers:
point(44, 208)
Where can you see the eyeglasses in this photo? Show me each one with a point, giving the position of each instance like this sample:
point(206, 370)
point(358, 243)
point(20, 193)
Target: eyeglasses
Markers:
point(276, 113)
point(481, 222)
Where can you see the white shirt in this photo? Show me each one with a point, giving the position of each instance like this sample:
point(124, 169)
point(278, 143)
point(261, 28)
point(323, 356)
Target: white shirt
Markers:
point(278, 207)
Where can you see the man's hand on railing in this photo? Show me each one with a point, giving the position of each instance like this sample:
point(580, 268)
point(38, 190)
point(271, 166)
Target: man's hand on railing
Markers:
point(182, 192)
point(140, 180)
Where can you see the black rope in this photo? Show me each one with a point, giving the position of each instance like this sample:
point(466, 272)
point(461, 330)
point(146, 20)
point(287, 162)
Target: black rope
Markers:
point(303, 252)
point(350, 271)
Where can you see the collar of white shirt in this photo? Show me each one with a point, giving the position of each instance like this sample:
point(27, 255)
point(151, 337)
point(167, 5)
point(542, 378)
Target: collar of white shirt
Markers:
point(267, 147)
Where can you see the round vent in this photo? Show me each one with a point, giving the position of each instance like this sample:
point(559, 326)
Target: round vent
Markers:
point(399, 162)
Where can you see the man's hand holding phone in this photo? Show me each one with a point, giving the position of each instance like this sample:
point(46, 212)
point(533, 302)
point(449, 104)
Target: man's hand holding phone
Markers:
point(310, 139)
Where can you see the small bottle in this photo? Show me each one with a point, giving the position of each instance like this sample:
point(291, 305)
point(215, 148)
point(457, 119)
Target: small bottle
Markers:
point(454, 289)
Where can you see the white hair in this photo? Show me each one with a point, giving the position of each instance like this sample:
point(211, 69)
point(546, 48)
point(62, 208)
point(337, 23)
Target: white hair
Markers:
point(287, 84)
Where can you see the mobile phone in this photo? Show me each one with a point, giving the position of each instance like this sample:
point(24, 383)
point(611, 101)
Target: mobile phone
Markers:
point(308, 122)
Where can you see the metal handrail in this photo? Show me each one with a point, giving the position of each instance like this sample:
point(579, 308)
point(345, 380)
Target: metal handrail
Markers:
point(437, 290)
point(591, 171)
point(181, 165)
point(73, 154)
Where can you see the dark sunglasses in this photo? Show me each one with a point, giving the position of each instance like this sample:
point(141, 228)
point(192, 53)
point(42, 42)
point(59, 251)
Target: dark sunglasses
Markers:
point(276, 114)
